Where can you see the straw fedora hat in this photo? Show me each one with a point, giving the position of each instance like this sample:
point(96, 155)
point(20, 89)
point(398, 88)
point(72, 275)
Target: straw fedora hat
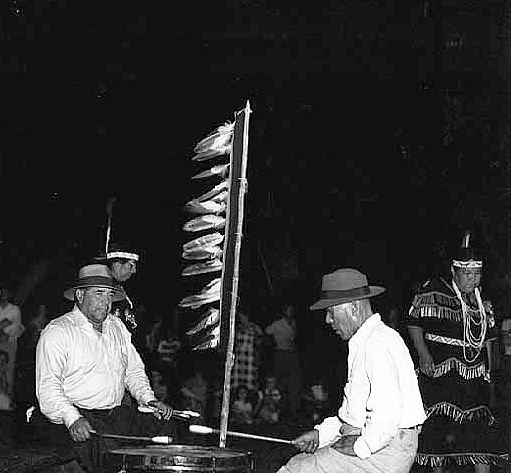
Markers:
point(95, 275)
point(344, 285)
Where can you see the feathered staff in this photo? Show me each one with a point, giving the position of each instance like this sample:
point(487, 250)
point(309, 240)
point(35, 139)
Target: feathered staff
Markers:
point(109, 212)
point(216, 327)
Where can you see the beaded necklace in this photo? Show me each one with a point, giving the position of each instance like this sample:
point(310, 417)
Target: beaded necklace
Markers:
point(472, 340)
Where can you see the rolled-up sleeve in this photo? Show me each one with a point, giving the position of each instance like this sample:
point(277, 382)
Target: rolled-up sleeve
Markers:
point(328, 430)
point(50, 366)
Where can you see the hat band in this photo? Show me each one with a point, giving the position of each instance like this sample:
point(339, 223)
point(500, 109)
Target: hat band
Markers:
point(122, 254)
point(467, 264)
point(356, 292)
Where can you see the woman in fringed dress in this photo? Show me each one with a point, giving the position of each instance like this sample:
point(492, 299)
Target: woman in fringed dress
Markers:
point(450, 324)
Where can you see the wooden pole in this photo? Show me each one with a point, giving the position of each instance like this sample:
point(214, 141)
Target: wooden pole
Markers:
point(232, 248)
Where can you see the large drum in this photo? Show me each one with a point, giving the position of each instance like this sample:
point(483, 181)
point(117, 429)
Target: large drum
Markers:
point(186, 458)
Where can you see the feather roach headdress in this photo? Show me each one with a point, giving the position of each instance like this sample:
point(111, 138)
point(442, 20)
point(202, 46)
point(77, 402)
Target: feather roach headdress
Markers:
point(467, 256)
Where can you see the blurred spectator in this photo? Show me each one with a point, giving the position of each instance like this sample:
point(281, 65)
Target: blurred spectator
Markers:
point(25, 370)
point(160, 388)
point(10, 329)
point(242, 408)
point(194, 391)
point(286, 360)
point(160, 351)
point(245, 371)
point(26, 354)
point(506, 361)
point(4, 380)
point(269, 406)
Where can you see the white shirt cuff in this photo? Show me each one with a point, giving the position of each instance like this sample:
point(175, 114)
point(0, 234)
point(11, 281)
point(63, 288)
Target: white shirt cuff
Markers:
point(361, 448)
point(71, 417)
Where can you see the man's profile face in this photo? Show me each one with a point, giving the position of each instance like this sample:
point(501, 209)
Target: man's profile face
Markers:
point(467, 279)
point(95, 302)
point(122, 270)
point(343, 319)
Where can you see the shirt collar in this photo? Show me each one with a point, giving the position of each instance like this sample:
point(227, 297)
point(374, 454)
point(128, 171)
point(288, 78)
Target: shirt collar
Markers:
point(80, 319)
point(365, 329)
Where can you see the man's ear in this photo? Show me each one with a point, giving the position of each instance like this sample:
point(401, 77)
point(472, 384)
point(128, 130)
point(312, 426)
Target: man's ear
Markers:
point(79, 295)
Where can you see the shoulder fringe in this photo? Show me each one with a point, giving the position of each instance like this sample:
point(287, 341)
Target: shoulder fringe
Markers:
point(461, 459)
point(436, 304)
point(436, 311)
point(459, 415)
point(467, 372)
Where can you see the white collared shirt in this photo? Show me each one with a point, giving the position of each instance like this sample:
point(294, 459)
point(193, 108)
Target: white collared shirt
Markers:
point(382, 392)
point(78, 366)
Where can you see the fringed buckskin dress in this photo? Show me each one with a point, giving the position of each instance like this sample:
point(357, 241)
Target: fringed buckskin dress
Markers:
point(461, 428)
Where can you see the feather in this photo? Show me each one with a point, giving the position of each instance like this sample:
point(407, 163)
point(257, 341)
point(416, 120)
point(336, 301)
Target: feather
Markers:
point(212, 287)
point(215, 140)
point(212, 192)
point(210, 343)
point(212, 153)
point(206, 207)
point(206, 240)
point(219, 198)
point(196, 300)
point(201, 268)
point(209, 318)
point(466, 240)
point(220, 169)
point(202, 252)
point(204, 222)
point(110, 206)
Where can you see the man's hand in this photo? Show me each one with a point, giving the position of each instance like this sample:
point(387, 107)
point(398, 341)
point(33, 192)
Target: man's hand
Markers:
point(426, 364)
point(307, 442)
point(163, 411)
point(345, 445)
point(80, 430)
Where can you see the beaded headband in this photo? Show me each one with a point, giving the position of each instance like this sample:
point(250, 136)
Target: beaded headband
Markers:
point(122, 254)
point(467, 264)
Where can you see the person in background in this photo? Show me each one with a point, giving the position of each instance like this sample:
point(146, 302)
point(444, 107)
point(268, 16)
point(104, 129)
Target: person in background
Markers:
point(11, 328)
point(122, 262)
point(4, 378)
point(160, 388)
point(269, 407)
point(84, 362)
point(242, 408)
point(286, 358)
point(505, 333)
point(25, 379)
point(450, 321)
point(377, 426)
point(245, 370)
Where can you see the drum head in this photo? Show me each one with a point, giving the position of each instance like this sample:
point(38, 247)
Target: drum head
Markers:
point(190, 458)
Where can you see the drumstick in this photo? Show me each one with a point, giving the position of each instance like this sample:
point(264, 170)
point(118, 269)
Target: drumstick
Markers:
point(202, 429)
point(175, 413)
point(160, 439)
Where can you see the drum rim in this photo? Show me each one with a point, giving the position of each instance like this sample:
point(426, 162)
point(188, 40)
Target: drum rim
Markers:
point(170, 447)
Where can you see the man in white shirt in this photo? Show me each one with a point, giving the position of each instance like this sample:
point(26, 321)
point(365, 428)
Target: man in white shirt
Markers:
point(378, 423)
point(84, 362)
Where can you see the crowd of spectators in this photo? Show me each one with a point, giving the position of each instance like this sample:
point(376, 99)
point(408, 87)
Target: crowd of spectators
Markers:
point(270, 382)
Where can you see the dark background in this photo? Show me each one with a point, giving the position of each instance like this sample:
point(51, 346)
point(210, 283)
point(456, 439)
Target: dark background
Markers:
point(374, 139)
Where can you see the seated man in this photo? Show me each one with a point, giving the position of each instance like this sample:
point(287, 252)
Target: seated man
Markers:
point(377, 426)
point(84, 362)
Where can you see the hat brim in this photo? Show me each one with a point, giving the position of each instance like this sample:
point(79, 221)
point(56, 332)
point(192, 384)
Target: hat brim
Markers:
point(95, 281)
point(325, 303)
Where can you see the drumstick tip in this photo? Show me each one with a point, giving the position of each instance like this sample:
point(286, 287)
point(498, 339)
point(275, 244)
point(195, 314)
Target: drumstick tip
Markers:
point(200, 429)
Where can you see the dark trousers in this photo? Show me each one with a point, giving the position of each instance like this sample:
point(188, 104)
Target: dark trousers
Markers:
point(92, 455)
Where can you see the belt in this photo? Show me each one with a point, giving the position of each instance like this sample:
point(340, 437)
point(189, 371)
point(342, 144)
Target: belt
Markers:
point(447, 340)
point(415, 427)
